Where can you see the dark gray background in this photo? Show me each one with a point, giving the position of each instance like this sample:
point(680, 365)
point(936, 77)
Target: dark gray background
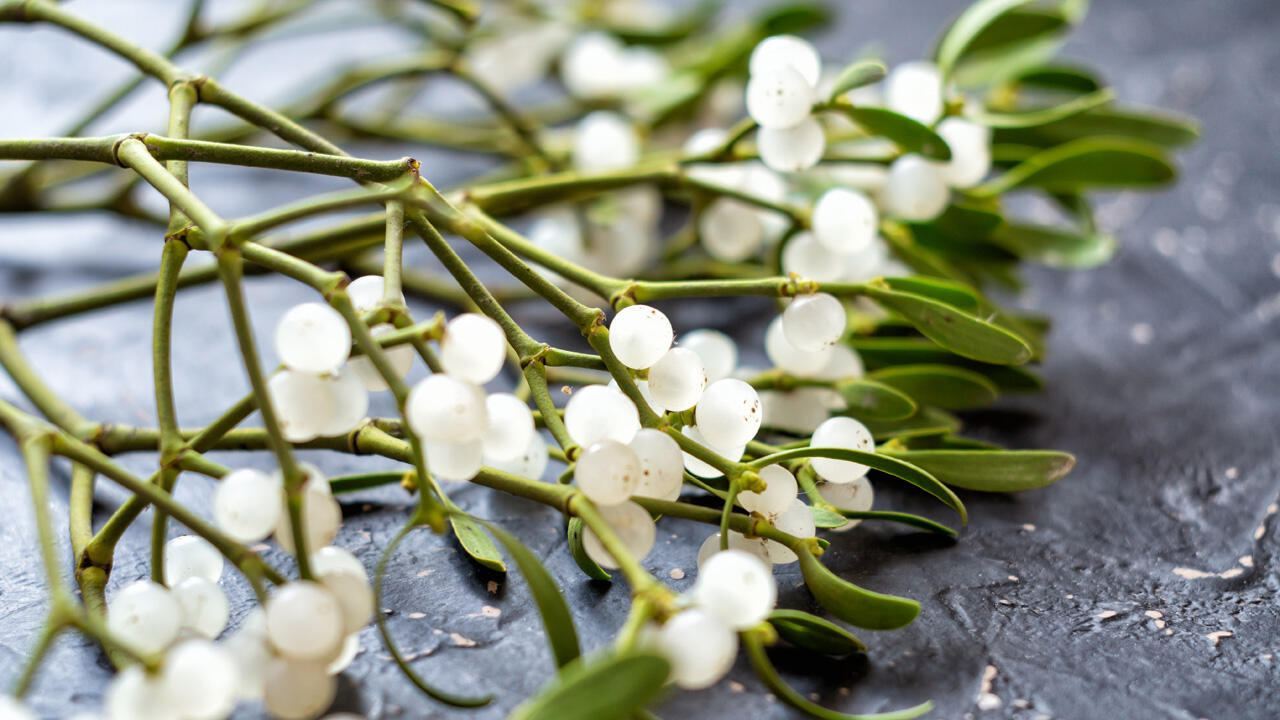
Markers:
point(1161, 378)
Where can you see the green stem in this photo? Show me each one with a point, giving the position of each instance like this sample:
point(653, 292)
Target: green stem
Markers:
point(393, 250)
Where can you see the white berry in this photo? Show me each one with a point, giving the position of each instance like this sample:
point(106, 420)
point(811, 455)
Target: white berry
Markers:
point(779, 98)
point(204, 606)
point(605, 141)
point(914, 89)
point(718, 352)
point(788, 357)
point(313, 338)
point(634, 527)
point(473, 348)
point(780, 490)
point(607, 472)
point(677, 379)
point(915, 189)
point(792, 149)
point(191, 556)
point(814, 322)
point(596, 413)
point(700, 647)
point(736, 587)
point(796, 520)
point(304, 621)
point(510, 427)
point(144, 616)
point(247, 505)
point(728, 413)
point(446, 409)
point(202, 679)
point(841, 432)
point(639, 335)
point(455, 462)
point(845, 220)
point(790, 51)
point(661, 465)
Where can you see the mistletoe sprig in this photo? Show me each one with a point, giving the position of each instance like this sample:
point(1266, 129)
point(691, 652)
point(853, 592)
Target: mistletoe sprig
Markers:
point(868, 202)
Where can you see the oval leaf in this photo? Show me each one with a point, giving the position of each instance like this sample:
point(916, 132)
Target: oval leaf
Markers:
point(1161, 128)
point(476, 543)
point(609, 688)
point(967, 27)
point(580, 556)
point(856, 75)
point(892, 466)
point(827, 519)
point(769, 676)
point(1063, 78)
point(927, 421)
point(954, 330)
point(992, 470)
point(1056, 247)
point(556, 617)
point(1088, 162)
point(871, 399)
point(906, 133)
point(1037, 117)
point(814, 633)
point(945, 291)
point(879, 352)
point(852, 604)
point(944, 386)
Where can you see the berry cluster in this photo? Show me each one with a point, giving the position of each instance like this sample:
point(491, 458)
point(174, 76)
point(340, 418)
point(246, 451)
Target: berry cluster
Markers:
point(688, 161)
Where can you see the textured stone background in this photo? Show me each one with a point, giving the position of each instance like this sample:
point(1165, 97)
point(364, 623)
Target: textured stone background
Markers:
point(1143, 586)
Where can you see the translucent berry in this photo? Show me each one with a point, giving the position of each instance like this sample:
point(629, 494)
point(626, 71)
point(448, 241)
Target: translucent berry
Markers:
point(803, 255)
point(730, 230)
point(191, 556)
point(639, 335)
point(304, 621)
point(677, 380)
point(350, 648)
point(355, 597)
point(737, 541)
point(350, 403)
point(841, 432)
point(779, 491)
point(607, 472)
point(313, 338)
point(779, 98)
point(970, 145)
point(331, 558)
point(797, 411)
point(718, 352)
point(510, 427)
point(792, 149)
point(643, 387)
point(473, 348)
point(366, 292)
point(915, 189)
point(445, 409)
point(204, 606)
point(303, 404)
point(296, 690)
point(857, 495)
point(661, 465)
point(700, 647)
point(596, 413)
point(532, 463)
point(796, 520)
point(455, 462)
point(246, 505)
point(845, 220)
point(790, 51)
point(914, 89)
point(202, 679)
point(321, 516)
point(633, 526)
point(736, 587)
point(605, 141)
point(145, 616)
point(249, 647)
point(788, 357)
point(703, 469)
point(728, 413)
point(400, 357)
point(844, 364)
point(814, 322)
point(590, 65)
point(134, 695)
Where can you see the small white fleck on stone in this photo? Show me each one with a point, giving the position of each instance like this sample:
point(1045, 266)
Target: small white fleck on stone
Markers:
point(1246, 561)
point(1107, 614)
point(416, 615)
point(1142, 333)
point(1159, 624)
point(1013, 578)
point(987, 702)
point(1216, 636)
point(676, 574)
point(1029, 527)
point(490, 611)
point(735, 686)
point(1233, 572)
point(1154, 614)
point(424, 573)
point(492, 587)
point(460, 641)
point(1232, 473)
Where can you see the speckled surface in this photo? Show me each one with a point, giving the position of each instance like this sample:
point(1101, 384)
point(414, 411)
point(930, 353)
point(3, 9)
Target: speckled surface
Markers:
point(1143, 586)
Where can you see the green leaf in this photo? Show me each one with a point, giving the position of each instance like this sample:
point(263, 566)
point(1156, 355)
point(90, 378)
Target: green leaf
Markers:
point(1064, 248)
point(677, 28)
point(476, 543)
point(772, 680)
point(906, 133)
point(580, 556)
point(927, 421)
point(945, 291)
point(1159, 127)
point(967, 27)
point(827, 519)
point(793, 19)
point(871, 399)
point(1064, 78)
point(380, 620)
point(879, 352)
point(902, 470)
point(997, 65)
point(902, 518)
point(857, 606)
point(992, 470)
point(953, 329)
point(814, 633)
point(1090, 162)
point(1037, 117)
point(609, 688)
point(945, 386)
point(855, 75)
point(556, 617)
